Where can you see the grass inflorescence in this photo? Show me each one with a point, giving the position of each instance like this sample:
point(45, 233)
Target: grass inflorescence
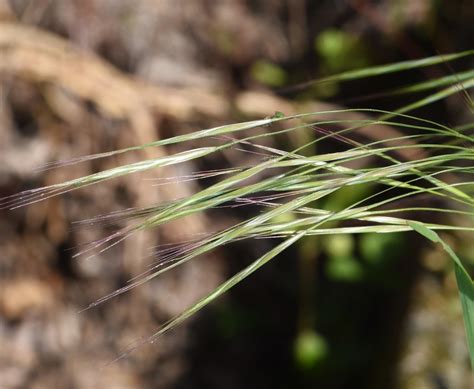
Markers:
point(432, 161)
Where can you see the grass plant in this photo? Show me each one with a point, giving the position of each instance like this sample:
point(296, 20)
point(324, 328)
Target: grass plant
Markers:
point(287, 185)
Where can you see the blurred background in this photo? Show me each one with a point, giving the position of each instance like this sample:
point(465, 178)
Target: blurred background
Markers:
point(86, 76)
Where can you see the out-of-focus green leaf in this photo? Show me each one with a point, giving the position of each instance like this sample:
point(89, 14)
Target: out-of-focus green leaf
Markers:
point(268, 73)
point(310, 348)
point(345, 268)
point(340, 245)
point(340, 51)
point(376, 248)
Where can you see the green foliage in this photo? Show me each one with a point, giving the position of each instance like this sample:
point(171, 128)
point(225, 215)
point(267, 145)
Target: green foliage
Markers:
point(268, 73)
point(342, 264)
point(376, 248)
point(310, 349)
point(339, 245)
point(340, 51)
point(344, 268)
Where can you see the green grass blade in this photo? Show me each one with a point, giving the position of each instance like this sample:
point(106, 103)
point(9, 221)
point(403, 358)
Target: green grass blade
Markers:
point(464, 281)
point(442, 94)
point(466, 293)
point(385, 69)
point(431, 84)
